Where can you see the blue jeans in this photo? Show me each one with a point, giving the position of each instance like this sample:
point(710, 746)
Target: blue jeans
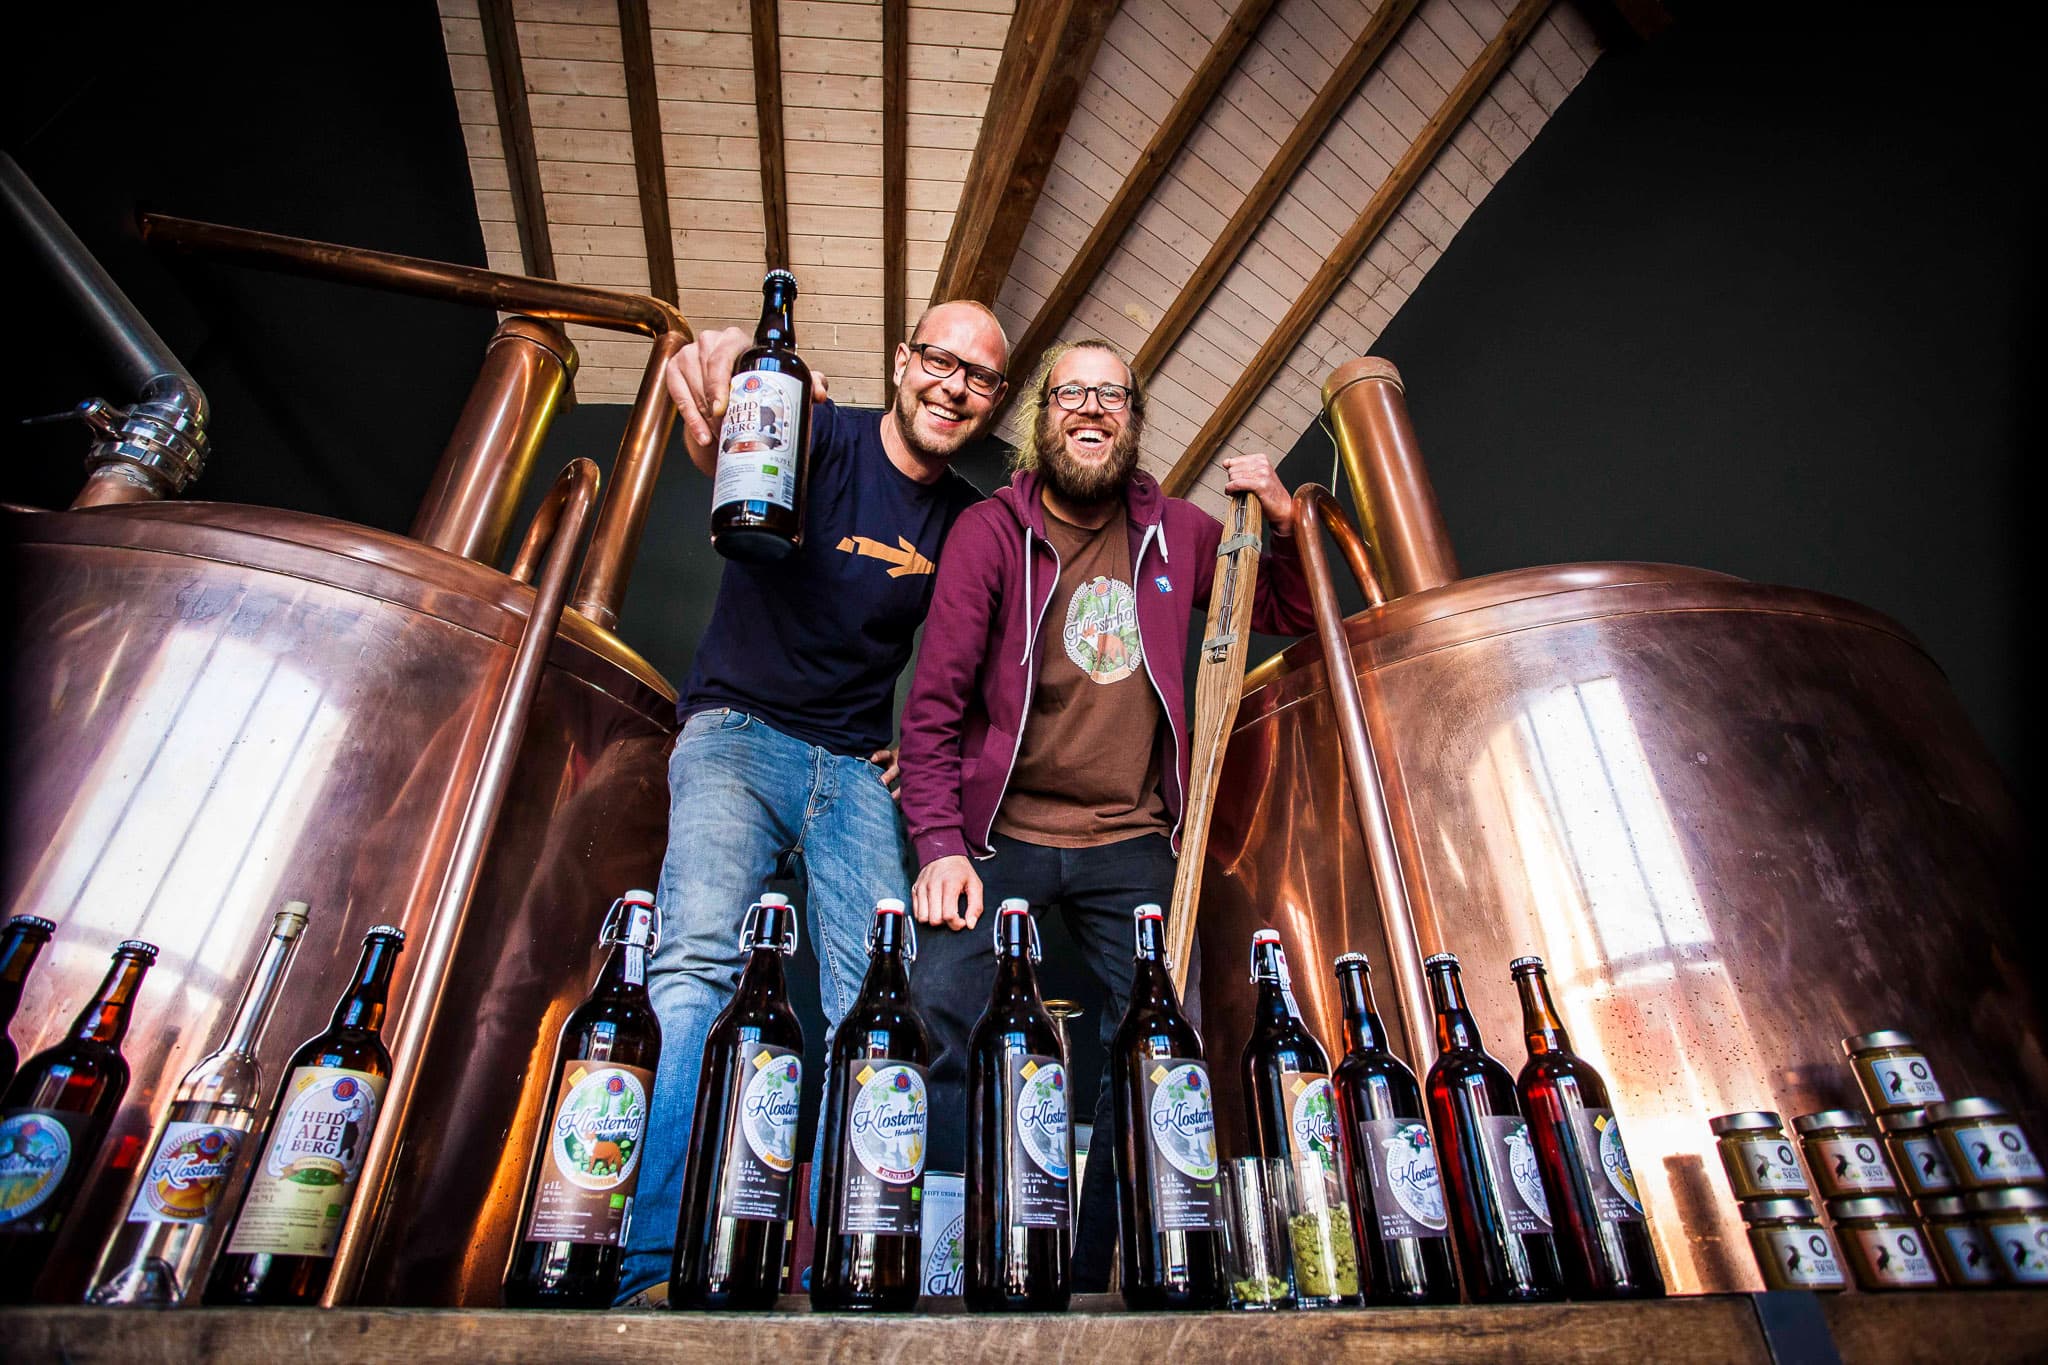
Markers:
point(741, 795)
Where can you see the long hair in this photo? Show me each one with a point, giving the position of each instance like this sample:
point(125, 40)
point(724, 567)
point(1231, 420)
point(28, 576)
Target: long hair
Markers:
point(1032, 399)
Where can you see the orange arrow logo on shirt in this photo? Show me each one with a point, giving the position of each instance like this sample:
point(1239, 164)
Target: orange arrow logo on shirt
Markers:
point(904, 559)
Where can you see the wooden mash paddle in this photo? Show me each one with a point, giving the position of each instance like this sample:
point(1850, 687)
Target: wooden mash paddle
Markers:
point(1219, 679)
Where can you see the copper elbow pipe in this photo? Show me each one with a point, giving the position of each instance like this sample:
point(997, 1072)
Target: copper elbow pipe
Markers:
point(1318, 513)
point(1367, 410)
point(468, 825)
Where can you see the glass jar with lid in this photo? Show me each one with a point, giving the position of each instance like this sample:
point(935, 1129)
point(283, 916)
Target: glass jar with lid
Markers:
point(2016, 1222)
point(1885, 1244)
point(1985, 1144)
point(1760, 1160)
point(1892, 1071)
point(1792, 1249)
point(1917, 1158)
point(1845, 1156)
point(1964, 1250)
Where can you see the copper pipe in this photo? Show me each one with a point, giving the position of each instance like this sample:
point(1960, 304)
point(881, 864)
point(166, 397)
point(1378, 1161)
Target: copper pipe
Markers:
point(474, 819)
point(1318, 513)
point(491, 454)
point(602, 589)
point(1367, 410)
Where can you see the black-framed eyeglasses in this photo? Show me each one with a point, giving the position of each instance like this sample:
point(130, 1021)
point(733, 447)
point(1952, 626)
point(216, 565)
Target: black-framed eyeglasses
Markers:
point(939, 362)
point(1113, 397)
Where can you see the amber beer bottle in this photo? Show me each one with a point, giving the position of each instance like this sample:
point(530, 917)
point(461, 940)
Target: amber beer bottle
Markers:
point(1020, 1138)
point(877, 1120)
point(736, 1182)
point(157, 1253)
point(1601, 1236)
point(282, 1247)
point(1499, 1209)
point(55, 1115)
point(1397, 1191)
point(1167, 1195)
point(21, 942)
point(586, 1159)
point(764, 445)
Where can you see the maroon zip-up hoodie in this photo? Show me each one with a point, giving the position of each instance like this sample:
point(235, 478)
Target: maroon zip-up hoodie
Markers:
point(985, 635)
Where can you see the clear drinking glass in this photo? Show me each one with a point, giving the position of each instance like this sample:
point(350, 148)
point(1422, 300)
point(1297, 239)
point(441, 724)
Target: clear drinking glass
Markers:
point(1256, 1196)
point(1321, 1241)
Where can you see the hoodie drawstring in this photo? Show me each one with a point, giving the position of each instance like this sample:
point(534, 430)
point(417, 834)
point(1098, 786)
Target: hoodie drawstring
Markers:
point(1029, 607)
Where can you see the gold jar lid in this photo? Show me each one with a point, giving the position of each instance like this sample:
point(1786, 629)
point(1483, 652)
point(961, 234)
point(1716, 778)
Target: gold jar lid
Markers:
point(1867, 1207)
point(1779, 1211)
point(1748, 1121)
point(1827, 1120)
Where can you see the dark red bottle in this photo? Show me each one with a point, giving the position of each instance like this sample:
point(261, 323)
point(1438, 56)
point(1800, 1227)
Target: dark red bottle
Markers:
point(20, 944)
point(737, 1182)
point(55, 1115)
point(1396, 1185)
point(1020, 1142)
point(1602, 1239)
point(1499, 1209)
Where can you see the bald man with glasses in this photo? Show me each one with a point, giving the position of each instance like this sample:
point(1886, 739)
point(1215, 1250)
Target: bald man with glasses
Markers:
point(787, 710)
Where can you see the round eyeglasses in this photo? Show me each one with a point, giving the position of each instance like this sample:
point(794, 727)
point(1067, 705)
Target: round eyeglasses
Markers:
point(1113, 397)
point(939, 363)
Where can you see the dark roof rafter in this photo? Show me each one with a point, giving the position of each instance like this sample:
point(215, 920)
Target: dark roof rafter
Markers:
point(515, 132)
point(895, 167)
point(643, 108)
point(767, 31)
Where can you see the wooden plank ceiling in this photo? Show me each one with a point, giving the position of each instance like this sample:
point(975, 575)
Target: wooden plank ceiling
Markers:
point(1241, 192)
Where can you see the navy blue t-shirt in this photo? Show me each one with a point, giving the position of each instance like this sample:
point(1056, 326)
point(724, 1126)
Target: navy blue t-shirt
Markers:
point(812, 644)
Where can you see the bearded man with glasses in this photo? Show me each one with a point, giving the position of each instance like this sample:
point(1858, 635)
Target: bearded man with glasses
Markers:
point(786, 713)
point(1046, 731)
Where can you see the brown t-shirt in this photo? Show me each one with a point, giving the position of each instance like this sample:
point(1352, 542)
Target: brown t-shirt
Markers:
point(1088, 771)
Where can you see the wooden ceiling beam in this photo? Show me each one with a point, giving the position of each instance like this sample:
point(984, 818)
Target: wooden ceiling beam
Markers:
point(515, 135)
point(767, 30)
point(1351, 248)
point(895, 170)
point(1356, 64)
point(1046, 58)
point(643, 108)
point(1144, 177)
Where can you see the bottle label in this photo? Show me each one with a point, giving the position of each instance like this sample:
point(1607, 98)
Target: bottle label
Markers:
point(760, 1150)
point(592, 1162)
point(1513, 1157)
point(2023, 1248)
point(1804, 1258)
point(1769, 1164)
point(1312, 1137)
point(1609, 1177)
point(886, 1126)
point(1996, 1151)
point(1970, 1255)
point(1040, 1164)
point(1927, 1167)
point(1180, 1138)
point(307, 1177)
point(1905, 1081)
point(1854, 1164)
point(187, 1174)
point(1896, 1256)
point(36, 1147)
point(1407, 1191)
point(757, 454)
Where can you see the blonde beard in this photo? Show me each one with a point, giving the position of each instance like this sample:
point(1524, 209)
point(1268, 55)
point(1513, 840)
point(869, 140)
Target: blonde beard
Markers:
point(1069, 481)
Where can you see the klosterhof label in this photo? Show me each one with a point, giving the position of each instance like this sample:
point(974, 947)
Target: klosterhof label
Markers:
point(1039, 1139)
point(1181, 1138)
point(36, 1147)
point(885, 1132)
point(593, 1153)
point(187, 1174)
point(1408, 1191)
point(760, 1147)
point(300, 1195)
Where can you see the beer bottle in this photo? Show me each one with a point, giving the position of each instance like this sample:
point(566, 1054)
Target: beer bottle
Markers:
point(156, 1254)
point(1395, 1188)
point(1601, 1237)
point(764, 444)
point(1170, 1206)
point(877, 1116)
point(1498, 1207)
point(53, 1118)
point(304, 1179)
point(1291, 1114)
point(586, 1158)
point(736, 1182)
point(1020, 1138)
point(21, 942)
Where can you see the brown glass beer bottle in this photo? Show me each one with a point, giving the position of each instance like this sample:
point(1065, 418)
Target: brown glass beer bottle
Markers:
point(281, 1249)
point(1020, 1139)
point(877, 1119)
point(586, 1159)
point(55, 1115)
point(21, 942)
point(1499, 1209)
point(737, 1180)
point(764, 444)
point(1168, 1196)
point(1601, 1236)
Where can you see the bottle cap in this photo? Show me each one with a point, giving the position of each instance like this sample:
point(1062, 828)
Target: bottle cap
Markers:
point(778, 277)
point(1531, 961)
point(1435, 959)
point(637, 897)
point(889, 905)
point(774, 898)
point(1346, 959)
point(1265, 936)
point(1888, 1037)
point(1831, 1118)
point(390, 931)
point(1972, 1107)
point(33, 922)
point(1748, 1121)
point(1149, 911)
point(1014, 905)
point(1867, 1206)
point(291, 919)
point(135, 947)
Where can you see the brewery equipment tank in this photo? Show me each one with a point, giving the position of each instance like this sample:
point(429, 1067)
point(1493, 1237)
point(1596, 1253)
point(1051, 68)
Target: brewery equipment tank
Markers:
point(1739, 822)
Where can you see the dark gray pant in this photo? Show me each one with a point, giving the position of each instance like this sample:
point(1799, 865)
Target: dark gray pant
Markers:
point(1095, 890)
